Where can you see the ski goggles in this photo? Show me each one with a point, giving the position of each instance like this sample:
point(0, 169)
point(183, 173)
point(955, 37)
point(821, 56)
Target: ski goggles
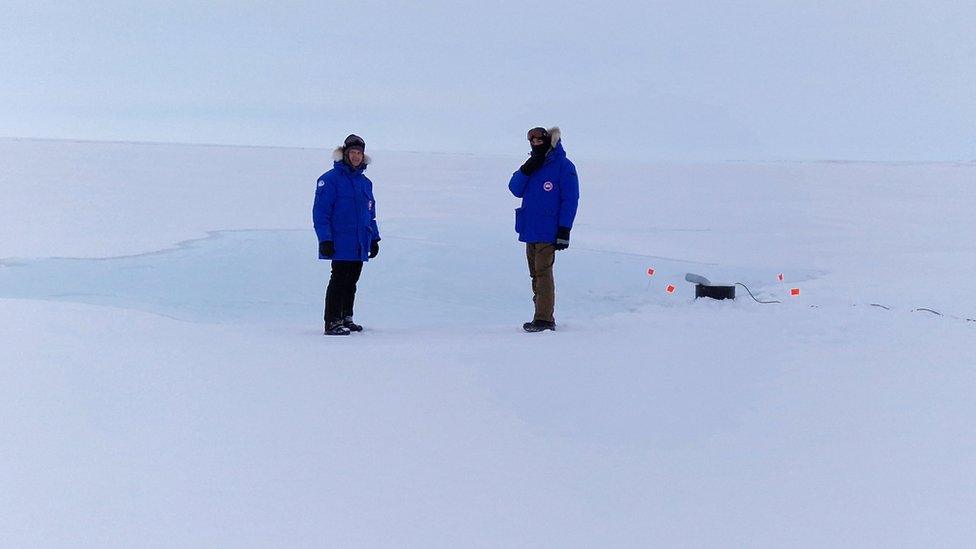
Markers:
point(538, 133)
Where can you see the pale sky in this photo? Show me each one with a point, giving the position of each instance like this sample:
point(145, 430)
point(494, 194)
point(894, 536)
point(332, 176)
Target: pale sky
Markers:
point(656, 81)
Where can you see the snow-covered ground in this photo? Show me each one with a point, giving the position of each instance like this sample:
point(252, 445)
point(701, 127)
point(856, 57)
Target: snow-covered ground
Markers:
point(165, 383)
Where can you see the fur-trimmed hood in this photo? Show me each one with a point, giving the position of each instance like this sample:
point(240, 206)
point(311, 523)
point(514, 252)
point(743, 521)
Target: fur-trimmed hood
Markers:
point(338, 152)
point(554, 136)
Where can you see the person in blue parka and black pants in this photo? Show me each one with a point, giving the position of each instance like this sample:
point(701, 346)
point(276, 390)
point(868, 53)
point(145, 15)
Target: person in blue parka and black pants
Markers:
point(549, 188)
point(344, 214)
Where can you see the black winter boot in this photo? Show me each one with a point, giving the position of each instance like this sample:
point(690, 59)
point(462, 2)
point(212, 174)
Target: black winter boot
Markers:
point(539, 326)
point(350, 325)
point(336, 328)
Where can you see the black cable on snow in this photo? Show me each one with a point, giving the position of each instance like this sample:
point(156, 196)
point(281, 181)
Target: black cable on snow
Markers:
point(754, 297)
point(879, 305)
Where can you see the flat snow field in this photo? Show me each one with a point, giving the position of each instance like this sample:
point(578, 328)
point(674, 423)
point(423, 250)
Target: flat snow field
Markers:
point(165, 381)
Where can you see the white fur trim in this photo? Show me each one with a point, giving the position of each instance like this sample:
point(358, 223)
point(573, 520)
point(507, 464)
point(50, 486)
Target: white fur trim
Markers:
point(337, 155)
point(554, 135)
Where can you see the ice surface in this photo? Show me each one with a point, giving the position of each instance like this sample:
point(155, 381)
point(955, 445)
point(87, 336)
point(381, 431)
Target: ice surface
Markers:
point(270, 277)
point(166, 383)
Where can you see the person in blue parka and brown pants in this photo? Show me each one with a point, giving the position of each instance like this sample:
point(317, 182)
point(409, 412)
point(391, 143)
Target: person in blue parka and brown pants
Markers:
point(344, 214)
point(549, 188)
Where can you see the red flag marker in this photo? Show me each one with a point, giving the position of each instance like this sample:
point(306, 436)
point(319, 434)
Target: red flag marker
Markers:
point(794, 292)
point(670, 289)
point(780, 277)
point(650, 271)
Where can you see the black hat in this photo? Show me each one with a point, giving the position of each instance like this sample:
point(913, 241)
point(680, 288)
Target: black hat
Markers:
point(354, 142)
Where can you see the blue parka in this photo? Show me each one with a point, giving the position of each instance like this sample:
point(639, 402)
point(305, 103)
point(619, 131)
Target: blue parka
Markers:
point(345, 211)
point(549, 197)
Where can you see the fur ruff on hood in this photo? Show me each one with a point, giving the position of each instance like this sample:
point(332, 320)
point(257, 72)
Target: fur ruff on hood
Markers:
point(339, 151)
point(554, 135)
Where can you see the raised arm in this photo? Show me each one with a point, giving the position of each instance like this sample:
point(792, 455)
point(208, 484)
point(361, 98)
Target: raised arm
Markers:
point(517, 183)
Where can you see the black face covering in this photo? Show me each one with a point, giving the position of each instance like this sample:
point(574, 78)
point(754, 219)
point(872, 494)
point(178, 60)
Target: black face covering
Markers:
point(540, 133)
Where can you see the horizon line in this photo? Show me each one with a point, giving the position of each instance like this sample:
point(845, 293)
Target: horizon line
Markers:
point(329, 148)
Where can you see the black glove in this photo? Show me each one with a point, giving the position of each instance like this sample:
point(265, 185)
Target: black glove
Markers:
point(533, 163)
point(562, 238)
point(374, 248)
point(326, 248)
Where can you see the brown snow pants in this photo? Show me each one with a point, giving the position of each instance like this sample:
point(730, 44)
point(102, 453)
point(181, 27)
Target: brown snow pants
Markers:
point(541, 256)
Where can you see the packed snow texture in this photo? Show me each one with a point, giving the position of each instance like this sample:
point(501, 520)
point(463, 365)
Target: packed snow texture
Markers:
point(166, 383)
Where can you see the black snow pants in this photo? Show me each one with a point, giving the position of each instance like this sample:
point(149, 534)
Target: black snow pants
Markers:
point(341, 293)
